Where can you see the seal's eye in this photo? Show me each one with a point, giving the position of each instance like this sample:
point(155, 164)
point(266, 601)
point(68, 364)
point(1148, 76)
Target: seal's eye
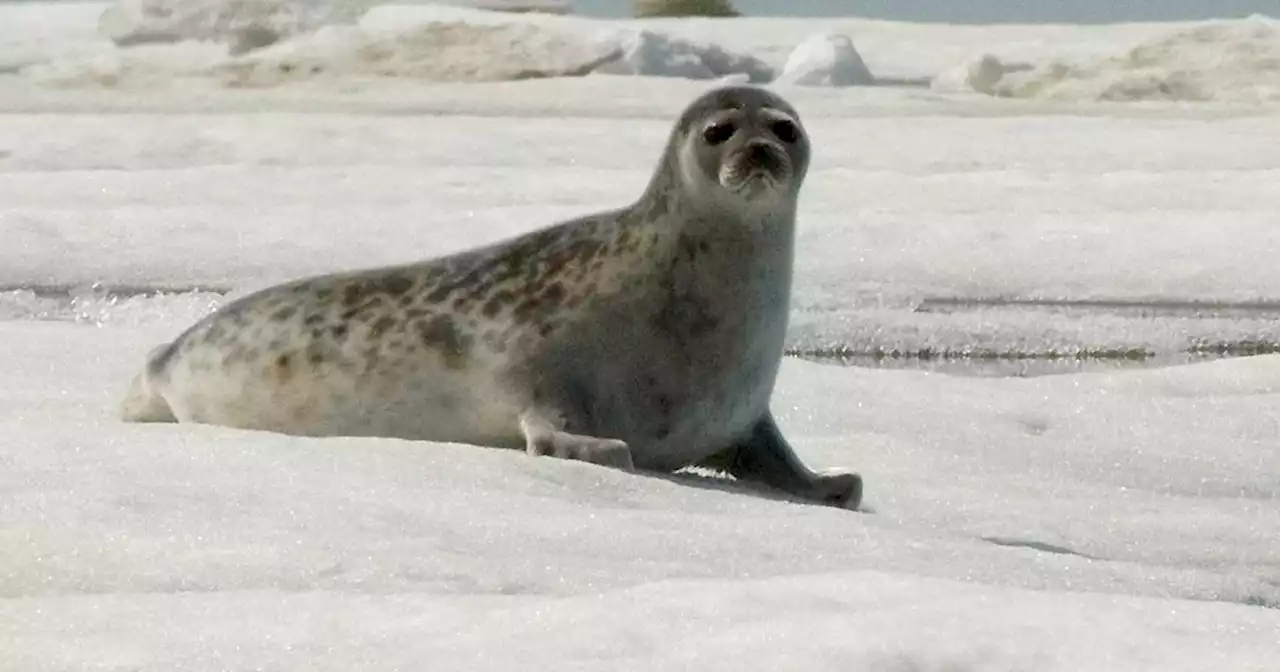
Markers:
point(718, 132)
point(785, 131)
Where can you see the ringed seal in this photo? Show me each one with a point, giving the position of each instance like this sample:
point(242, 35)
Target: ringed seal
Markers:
point(646, 337)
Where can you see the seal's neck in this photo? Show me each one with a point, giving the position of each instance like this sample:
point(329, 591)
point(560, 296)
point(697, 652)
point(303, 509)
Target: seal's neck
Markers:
point(749, 252)
point(768, 226)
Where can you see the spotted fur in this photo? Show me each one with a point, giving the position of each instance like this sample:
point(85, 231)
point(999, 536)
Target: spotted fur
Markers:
point(647, 336)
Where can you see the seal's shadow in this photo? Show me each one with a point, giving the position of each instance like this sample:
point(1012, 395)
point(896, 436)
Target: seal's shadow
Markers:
point(715, 481)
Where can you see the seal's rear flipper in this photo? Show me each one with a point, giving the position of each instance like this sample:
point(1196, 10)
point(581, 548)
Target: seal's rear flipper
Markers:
point(141, 404)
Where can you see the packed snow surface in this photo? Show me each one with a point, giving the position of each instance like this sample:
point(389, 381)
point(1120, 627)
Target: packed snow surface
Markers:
point(1068, 523)
point(1125, 520)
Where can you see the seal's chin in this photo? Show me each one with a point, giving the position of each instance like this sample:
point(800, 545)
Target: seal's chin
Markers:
point(752, 185)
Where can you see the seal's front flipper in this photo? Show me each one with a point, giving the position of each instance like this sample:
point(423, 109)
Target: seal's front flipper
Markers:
point(763, 456)
point(543, 437)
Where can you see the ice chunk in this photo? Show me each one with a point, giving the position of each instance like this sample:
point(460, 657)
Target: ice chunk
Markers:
point(644, 52)
point(826, 60)
point(981, 75)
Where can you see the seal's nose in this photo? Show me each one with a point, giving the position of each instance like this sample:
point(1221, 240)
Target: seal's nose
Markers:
point(762, 155)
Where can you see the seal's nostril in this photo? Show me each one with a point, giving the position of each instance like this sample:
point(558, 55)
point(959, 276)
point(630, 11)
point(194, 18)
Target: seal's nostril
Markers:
point(763, 156)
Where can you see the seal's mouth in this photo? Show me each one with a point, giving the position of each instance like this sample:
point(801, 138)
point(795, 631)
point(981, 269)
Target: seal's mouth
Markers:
point(755, 168)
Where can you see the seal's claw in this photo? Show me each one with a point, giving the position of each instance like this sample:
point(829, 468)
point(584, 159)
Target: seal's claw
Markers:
point(541, 438)
point(605, 452)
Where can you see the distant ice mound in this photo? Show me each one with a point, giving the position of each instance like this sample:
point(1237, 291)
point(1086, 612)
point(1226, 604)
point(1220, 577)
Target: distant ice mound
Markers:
point(436, 51)
point(454, 51)
point(826, 60)
point(244, 25)
point(302, 44)
point(1223, 61)
point(644, 52)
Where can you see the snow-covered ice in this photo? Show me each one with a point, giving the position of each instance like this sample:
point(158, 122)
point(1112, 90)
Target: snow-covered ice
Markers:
point(65, 45)
point(1123, 520)
point(1217, 61)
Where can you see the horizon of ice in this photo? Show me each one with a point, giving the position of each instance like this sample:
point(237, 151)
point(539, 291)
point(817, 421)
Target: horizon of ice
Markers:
point(1224, 60)
point(308, 43)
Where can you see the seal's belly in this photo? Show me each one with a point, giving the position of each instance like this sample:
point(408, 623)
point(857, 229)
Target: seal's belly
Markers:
point(425, 406)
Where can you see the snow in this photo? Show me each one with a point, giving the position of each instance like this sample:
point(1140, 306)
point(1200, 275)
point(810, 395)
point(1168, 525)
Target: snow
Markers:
point(826, 60)
point(207, 548)
point(1115, 519)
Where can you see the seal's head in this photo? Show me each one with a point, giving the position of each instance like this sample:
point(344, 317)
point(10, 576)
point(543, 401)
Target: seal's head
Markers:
point(744, 144)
